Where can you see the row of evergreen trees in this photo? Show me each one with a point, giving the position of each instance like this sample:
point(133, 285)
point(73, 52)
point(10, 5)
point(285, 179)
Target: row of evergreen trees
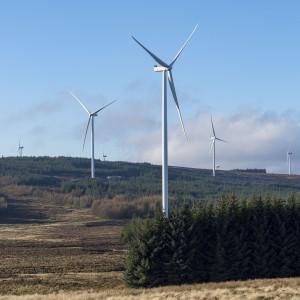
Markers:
point(228, 240)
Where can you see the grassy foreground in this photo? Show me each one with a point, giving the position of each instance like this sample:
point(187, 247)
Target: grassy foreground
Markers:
point(252, 289)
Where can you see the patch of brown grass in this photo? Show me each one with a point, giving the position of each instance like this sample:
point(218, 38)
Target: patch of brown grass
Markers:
point(125, 207)
point(30, 284)
point(252, 289)
point(3, 203)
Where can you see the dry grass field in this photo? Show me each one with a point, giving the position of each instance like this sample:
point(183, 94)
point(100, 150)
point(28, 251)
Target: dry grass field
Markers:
point(280, 289)
point(52, 251)
point(46, 247)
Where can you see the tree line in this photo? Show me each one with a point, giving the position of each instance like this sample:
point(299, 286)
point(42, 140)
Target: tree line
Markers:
point(139, 182)
point(229, 240)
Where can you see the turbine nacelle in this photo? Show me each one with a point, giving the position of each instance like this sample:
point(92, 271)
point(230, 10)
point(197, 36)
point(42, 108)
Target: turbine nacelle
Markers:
point(161, 69)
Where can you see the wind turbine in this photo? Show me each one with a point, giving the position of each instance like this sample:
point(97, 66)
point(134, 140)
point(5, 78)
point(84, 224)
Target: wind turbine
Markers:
point(288, 156)
point(213, 146)
point(91, 118)
point(164, 67)
point(20, 148)
point(104, 156)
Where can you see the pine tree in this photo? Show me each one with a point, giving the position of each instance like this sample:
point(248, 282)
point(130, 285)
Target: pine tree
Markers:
point(181, 267)
point(237, 254)
point(137, 263)
point(262, 254)
point(220, 266)
point(293, 232)
point(245, 238)
point(206, 241)
point(147, 254)
point(281, 242)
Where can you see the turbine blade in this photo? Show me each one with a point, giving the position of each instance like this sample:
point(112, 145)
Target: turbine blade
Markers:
point(175, 58)
point(158, 60)
point(87, 127)
point(221, 140)
point(172, 87)
point(212, 125)
point(80, 103)
point(103, 107)
point(211, 147)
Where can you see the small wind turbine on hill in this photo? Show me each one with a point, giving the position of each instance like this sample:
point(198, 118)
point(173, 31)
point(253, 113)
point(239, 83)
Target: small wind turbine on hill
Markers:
point(288, 156)
point(164, 67)
point(91, 118)
point(213, 146)
point(20, 148)
point(104, 156)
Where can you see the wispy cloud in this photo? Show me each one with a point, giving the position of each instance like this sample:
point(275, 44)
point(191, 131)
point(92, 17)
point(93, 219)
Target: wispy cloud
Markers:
point(256, 140)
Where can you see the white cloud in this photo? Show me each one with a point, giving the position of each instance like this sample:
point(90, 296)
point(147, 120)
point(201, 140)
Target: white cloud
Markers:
point(256, 140)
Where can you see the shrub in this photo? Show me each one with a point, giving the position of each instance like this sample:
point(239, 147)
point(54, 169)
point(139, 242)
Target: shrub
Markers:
point(130, 230)
point(125, 207)
point(3, 203)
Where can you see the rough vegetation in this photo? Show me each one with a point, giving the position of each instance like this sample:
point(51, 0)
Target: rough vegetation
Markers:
point(123, 190)
point(267, 289)
point(59, 229)
point(47, 246)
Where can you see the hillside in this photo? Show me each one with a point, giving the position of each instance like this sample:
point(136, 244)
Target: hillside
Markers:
point(51, 250)
point(51, 239)
point(142, 179)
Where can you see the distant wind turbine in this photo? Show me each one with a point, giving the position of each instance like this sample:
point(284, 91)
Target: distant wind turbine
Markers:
point(20, 148)
point(164, 67)
point(288, 156)
point(91, 118)
point(213, 146)
point(104, 156)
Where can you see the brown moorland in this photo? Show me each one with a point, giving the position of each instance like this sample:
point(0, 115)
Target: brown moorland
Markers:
point(53, 251)
point(46, 247)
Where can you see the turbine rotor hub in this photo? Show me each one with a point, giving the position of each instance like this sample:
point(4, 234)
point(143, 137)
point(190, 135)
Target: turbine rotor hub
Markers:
point(161, 69)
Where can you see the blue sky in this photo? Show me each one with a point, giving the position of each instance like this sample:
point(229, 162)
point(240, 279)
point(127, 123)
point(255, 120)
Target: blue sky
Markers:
point(241, 66)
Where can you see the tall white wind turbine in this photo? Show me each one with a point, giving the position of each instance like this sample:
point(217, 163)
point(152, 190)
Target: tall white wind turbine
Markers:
point(213, 146)
point(288, 156)
point(164, 67)
point(91, 118)
point(20, 148)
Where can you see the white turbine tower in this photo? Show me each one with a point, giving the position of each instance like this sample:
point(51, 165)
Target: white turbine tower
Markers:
point(213, 147)
point(20, 148)
point(288, 156)
point(91, 118)
point(164, 67)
